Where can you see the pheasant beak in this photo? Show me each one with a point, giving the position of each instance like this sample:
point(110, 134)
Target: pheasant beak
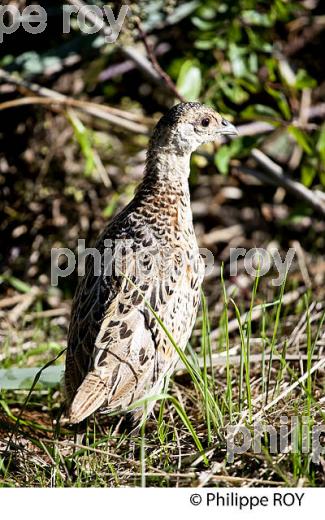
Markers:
point(228, 128)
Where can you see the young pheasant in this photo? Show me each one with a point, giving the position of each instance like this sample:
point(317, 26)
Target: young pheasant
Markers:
point(118, 353)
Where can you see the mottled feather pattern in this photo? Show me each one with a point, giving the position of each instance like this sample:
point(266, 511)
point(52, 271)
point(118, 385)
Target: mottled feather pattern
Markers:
point(117, 351)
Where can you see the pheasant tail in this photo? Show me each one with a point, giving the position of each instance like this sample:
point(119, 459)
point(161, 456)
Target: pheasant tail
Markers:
point(89, 397)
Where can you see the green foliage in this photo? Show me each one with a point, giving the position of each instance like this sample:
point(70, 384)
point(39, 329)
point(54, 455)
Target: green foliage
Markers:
point(301, 138)
point(242, 73)
point(83, 137)
point(225, 153)
point(232, 56)
point(189, 80)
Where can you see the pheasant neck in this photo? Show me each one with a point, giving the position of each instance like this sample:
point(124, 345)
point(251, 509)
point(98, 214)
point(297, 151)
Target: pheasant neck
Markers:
point(164, 191)
point(167, 173)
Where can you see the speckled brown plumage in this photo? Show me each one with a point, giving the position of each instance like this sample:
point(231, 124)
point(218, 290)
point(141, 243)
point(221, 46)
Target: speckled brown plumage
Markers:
point(117, 351)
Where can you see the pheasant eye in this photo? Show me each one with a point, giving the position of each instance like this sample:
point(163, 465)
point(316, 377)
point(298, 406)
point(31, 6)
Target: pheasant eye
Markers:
point(205, 122)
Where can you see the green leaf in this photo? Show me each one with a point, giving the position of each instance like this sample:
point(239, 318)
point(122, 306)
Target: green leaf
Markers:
point(281, 101)
point(303, 80)
point(271, 65)
point(257, 42)
point(181, 11)
point(236, 55)
point(210, 41)
point(225, 153)
point(259, 111)
point(203, 25)
point(320, 147)
point(253, 17)
point(17, 284)
point(234, 92)
point(322, 178)
point(301, 138)
point(308, 173)
point(83, 138)
point(189, 80)
point(22, 378)
point(222, 159)
point(111, 207)
point(31, 62)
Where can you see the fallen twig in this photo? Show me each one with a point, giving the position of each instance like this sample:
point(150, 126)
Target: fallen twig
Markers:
point(11, 300)
point(21, 307)
point(277, 175)
point(220, 360)
point(86, 106)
